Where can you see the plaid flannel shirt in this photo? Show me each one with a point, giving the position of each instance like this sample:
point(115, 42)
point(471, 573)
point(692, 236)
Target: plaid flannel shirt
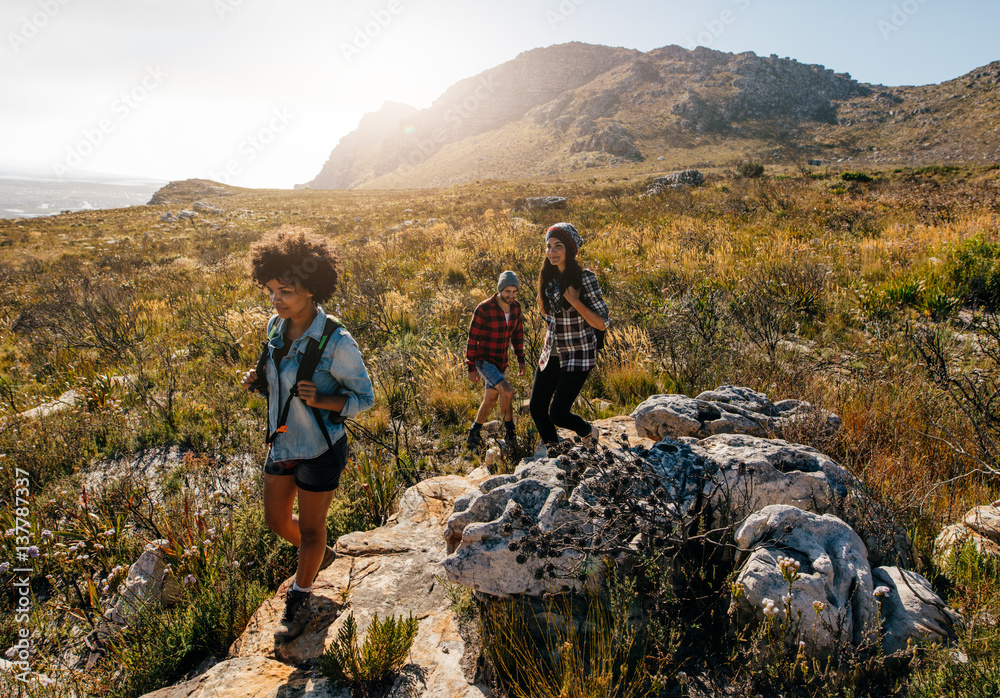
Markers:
point(569, 336)
point(490, 334)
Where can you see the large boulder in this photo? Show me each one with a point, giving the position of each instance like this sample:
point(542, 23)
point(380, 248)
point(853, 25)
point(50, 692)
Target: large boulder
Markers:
point(611, 499)
point(979, 528)
point(910, 610)
point(815, 568)
point(755, 472)
point(832, 584)
point(726, 410)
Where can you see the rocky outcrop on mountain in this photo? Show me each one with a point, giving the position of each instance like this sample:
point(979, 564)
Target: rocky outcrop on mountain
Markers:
point(675, 180)
point(188, 191)
point(469, 108)
point(765, 89)
point(614, 139)
point(552, 110)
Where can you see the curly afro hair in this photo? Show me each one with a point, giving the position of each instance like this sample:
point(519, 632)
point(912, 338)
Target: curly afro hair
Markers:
point(295, 256)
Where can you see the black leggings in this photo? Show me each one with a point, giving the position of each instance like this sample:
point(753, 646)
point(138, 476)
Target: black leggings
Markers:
point(552, 395)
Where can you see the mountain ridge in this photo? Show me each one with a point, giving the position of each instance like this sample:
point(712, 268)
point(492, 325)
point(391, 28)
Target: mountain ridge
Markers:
point(555, 110)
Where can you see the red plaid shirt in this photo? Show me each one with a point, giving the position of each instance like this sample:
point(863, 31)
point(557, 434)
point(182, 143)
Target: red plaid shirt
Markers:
point(490, 334)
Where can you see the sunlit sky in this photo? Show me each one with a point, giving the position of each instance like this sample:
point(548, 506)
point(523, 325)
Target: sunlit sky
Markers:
point(172, 89)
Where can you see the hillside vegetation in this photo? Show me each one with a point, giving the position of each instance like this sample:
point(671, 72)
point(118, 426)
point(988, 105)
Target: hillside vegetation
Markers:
point(871, 294)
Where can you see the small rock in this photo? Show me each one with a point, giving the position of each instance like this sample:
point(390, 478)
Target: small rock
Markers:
point(544, 203)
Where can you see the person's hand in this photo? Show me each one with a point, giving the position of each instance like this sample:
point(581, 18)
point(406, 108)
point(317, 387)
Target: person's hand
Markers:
point(520, 369)
point(474, 376)
point(248, 378)
point(572, 295)
point(307, 391)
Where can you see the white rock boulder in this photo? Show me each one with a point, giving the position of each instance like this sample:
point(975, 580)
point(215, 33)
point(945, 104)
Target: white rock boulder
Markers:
point(831, 598)
point(910, 610)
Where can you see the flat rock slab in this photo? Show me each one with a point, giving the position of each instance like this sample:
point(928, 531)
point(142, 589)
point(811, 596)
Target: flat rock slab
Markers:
point(392, 570)
point(252, 677)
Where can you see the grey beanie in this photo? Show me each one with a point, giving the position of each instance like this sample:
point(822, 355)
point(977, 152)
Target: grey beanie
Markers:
point(508, 278)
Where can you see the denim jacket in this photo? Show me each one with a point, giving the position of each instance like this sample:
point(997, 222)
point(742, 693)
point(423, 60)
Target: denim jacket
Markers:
point(341, 371)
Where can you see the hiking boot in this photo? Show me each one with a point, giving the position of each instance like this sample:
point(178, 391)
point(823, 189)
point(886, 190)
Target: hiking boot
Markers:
point(511, 435)
point(328, 557)
point(593, 437)
point(475, 440)
point(298, 606)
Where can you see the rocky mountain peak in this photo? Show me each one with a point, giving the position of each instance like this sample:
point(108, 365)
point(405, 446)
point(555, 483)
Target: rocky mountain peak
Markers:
point(561, 108)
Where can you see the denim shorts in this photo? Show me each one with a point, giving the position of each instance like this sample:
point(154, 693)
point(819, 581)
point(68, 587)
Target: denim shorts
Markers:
point(490, 373)
point(319, 474)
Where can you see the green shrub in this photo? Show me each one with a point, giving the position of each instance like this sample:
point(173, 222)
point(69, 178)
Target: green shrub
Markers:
point(974, 271)
point(749, 169)
point(906, 292)
point(859, 177)
point(382, 654)
point(547, 653)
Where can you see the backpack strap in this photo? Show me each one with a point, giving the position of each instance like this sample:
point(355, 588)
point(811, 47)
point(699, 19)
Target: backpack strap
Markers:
point(307, 367)
point(260, 385)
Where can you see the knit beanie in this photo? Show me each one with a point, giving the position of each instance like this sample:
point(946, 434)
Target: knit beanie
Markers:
point(508, 278)
point(566, 233)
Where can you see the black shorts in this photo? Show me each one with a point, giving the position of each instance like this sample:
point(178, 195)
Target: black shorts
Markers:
point(319, 474)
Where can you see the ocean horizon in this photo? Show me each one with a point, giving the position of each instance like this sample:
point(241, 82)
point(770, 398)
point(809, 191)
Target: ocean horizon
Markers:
point(31, 197)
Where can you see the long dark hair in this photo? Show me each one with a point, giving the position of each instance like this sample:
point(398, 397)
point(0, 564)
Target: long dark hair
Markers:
point(573, 276)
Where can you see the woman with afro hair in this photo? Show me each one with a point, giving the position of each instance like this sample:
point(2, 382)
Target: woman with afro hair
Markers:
point(307, 453)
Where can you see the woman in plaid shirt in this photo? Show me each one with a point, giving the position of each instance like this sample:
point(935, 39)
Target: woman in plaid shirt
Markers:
point(570, 300)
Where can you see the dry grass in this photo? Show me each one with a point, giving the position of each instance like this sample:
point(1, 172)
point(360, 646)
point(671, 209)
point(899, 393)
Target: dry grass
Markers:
point(171, 311)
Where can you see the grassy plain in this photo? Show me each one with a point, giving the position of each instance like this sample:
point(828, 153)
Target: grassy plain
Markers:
point(869, 294)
